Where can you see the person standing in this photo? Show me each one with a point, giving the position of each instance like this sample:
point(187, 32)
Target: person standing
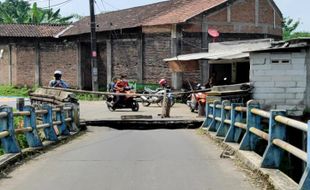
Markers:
point(58, 82)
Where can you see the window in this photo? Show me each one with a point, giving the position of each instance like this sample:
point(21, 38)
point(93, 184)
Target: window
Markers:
point(281, 61)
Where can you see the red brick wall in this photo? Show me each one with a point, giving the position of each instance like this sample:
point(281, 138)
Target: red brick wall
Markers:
point(157, 47)
point(191, 44)
point(243, 11)
point(220, 16)
point(125, 58)
point(25, 65)
point(243, 19)
point(265, 13)
point(58, 56)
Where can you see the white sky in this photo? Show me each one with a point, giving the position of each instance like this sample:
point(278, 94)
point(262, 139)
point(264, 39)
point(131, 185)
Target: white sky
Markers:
point(298, 10)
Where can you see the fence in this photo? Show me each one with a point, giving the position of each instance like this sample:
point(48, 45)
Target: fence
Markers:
point(53, 121)
point(231, 121)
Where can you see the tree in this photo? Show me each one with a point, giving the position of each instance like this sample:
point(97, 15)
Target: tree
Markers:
point(14, 11)
point(289, 29)
point(20, 11)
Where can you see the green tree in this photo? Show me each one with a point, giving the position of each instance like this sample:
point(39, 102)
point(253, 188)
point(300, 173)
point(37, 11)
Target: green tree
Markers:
point(14, 11)
point(289, 29)
point(20, 11)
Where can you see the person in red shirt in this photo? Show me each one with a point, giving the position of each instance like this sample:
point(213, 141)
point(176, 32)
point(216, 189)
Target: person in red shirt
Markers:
point(120, 87)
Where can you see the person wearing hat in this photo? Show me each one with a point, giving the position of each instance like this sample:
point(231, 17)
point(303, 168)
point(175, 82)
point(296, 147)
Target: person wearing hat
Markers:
point(58, 82)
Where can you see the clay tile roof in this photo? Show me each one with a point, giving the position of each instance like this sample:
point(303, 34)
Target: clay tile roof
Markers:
point(182, 11)
point(30, 30)
point(166, 12)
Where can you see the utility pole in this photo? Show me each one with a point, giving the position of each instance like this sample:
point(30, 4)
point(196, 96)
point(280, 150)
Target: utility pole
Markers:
point(94, 68)
point(49, 4)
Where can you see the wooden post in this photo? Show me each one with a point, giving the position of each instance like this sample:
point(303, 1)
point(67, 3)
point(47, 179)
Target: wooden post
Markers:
point(166, 106)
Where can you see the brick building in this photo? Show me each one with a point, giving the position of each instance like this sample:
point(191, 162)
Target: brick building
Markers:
point(135, 41)
point(29, 54)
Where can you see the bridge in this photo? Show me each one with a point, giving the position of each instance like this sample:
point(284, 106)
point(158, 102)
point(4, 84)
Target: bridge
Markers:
point(130, 158)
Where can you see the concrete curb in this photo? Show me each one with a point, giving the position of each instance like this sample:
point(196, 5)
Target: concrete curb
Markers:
point(275, 177)
point(10, 160)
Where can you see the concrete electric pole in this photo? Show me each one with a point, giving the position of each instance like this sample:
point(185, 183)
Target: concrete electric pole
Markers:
point(94, 67)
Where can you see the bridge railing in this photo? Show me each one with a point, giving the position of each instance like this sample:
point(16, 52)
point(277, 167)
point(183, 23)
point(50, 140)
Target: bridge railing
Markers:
point(47, 123)
point(235, 122)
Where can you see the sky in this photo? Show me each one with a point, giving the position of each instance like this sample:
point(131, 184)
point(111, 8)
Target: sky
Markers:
point(298, 10)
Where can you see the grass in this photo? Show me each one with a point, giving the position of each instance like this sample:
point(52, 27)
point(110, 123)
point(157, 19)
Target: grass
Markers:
point(6, 90)
point(89, 97)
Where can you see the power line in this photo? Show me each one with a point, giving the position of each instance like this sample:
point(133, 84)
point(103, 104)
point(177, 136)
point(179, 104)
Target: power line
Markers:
point(58, 4)
point(104, 8)
point(99, 9)
point(112, 6)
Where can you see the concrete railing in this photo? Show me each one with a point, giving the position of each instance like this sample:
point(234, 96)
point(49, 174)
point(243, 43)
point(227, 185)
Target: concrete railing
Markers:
point(231, 121)
point(54, 122)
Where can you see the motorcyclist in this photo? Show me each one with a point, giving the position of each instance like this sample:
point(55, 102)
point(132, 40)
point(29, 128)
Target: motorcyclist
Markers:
point(58, 82)
point(163, 84)
point(120, 87)
point(112, 85)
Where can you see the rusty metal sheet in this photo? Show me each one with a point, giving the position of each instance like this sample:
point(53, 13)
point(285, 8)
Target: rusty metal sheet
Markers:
point(182, 66)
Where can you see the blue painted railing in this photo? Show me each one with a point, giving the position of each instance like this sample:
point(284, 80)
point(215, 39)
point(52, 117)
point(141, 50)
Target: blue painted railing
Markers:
point(231, 120)
point(54, 121)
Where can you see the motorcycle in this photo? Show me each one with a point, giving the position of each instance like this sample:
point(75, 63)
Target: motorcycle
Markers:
point(148, 99)
point(197, 100)
point(124, 102)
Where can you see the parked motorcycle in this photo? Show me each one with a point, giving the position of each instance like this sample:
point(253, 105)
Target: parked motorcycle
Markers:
point(197, 100)
point(148, 99)
point(125, 102)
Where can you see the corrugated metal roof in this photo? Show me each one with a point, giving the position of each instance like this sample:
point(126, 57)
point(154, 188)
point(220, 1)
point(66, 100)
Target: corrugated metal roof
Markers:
point(30, 30)
point(226, 50)
point(289, 45)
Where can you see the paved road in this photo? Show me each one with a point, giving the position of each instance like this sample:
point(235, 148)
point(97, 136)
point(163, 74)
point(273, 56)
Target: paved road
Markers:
point(108, 159)
point(97, 110)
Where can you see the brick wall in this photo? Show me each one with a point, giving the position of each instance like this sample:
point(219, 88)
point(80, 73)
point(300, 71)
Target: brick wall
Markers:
point(279, 85)
point(191, 44)
point(242, 18)
point(55, 56)
point(156, 48)
point(25, 65)
point(125, 58)
point(4, 65)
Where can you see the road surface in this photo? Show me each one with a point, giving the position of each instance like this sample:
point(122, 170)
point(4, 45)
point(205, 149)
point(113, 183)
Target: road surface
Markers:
point(108, 159)
point(11, 101)
point(97, 110)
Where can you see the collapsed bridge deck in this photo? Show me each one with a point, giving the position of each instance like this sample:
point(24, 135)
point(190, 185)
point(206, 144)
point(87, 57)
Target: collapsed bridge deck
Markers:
point(96, 113)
